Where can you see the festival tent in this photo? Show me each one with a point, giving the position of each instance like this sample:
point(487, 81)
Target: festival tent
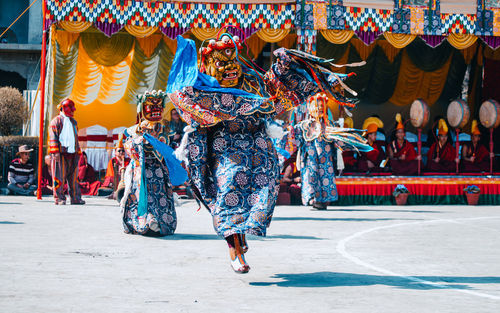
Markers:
point(104, 53)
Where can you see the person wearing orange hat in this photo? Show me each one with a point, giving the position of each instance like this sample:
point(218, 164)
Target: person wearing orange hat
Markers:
point(474, 154)
point(402, 154)
point(370, 161)
point(65, 153)
point(114, 171)
point(441, 157)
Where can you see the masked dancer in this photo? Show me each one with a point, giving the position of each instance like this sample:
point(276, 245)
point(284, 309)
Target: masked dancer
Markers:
point(148, 204)
point(228, 104)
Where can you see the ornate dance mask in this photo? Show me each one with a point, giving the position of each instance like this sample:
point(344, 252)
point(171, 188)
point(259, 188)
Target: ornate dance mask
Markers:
point(68, 107)
point(317, 105)
point(151, 105)
point(219, 60)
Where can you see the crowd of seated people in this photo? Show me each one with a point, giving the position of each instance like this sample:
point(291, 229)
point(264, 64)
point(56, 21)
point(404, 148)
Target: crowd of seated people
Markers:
point(398, 156)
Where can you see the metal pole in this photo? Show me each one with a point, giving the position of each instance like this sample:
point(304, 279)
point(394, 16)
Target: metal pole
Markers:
point(42, 102)
point(492, 156)
point(457, 147)
point(419, 147)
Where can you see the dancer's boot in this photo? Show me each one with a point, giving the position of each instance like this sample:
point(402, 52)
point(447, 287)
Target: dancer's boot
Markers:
point(236, 254)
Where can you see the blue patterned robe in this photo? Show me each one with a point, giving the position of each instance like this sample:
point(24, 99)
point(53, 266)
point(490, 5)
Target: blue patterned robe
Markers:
point(317, 169)
point(148, 205)
point(234, 165)
point(231, 159)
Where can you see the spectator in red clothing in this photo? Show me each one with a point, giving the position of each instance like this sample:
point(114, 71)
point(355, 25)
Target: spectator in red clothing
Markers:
point(442, 157)
point(115, 170)
point(370, 161)
point(291, 180)
point(475, 156)
point(46, 183)
point(86, 177)
point(348, 155)
point(401, 152)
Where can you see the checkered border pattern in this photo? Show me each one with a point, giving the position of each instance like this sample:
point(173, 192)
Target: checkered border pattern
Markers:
point(364, 19)
point(246, 16)
point(173, 14)
point(458, 23)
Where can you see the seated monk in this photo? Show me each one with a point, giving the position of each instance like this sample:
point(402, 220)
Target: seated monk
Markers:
point(47, 183)
point(86, 177)
point(475, 156)
point(291, 179)
point(441, 157)
point(402, 154)
point(348, 155)
point(114, 171)
point(370, 161)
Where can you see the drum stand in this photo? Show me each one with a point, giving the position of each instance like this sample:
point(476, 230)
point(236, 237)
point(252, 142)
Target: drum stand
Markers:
point(491, 151)
point(419, 148)
point(457, 147)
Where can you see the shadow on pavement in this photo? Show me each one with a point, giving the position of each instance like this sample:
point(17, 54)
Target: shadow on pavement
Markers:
point(249, 237)
point(333, 279)
point(396, 211)
point(16, 203)
point(302, 218)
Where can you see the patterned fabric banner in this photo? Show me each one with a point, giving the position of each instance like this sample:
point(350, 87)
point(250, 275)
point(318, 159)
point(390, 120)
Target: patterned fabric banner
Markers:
point(172, 14)
point(417, 17)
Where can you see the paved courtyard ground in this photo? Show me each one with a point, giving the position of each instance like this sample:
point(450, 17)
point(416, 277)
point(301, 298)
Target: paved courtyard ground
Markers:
point(345, 259)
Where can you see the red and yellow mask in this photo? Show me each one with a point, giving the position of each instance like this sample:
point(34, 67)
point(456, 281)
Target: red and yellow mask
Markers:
point(68, 107)
point(219, 60)
point(316, 105)
point(152, 105)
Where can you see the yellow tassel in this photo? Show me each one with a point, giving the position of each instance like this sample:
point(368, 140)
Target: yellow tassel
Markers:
point(398, 118)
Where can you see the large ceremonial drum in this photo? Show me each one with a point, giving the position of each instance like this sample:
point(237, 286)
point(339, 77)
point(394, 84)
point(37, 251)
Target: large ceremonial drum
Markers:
point(458, 113)
point(489, 114)
point(419, 113)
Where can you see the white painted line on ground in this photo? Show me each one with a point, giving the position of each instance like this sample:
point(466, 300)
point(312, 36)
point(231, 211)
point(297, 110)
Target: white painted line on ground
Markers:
point(341, 248)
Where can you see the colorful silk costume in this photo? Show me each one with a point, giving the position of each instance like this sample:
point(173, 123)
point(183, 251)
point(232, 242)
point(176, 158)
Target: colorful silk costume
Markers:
point(148, 204)
point(231, 159)
point(317, 169)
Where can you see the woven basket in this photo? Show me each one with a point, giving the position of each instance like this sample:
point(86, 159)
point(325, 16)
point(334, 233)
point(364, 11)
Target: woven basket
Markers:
point(472, 198)
point(402, 198)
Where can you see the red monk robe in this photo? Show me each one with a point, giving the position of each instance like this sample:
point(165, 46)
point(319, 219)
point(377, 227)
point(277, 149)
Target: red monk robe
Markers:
point(479, 156)
point(375, 157)
point(441, 159)
point(349, 160)
point(404, 161)
point(86, 177)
